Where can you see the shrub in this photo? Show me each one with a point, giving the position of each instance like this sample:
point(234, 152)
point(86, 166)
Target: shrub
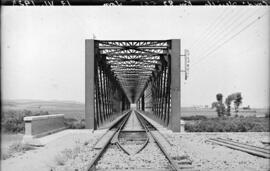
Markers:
point(72, 123)
point(12, 121)
point(197, 117)
point(258, 128)
point(13, 125)
point(248, 124)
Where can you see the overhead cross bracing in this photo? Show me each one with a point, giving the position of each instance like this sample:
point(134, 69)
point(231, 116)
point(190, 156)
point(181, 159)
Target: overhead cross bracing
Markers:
point(133, 62)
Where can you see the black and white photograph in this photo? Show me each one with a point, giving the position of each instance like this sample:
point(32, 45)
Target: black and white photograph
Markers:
point(142, 88)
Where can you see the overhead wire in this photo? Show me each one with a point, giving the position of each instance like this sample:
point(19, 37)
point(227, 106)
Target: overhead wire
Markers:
point(210, 26)
point(234, 26)
point(230, 23)
point(230, 38)
point(225, 36)
point(216, 29)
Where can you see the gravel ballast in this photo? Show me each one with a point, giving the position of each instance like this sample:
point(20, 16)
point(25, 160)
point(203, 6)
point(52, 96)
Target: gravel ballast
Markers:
point(149, 157)
point(209, 156)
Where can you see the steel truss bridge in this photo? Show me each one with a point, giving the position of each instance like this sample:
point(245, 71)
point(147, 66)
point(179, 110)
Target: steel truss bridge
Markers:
point(121, 72)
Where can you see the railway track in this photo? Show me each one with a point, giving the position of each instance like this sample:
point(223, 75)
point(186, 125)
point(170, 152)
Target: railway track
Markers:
point(254, 150)
point(134, 149)
point(178, 162)
point(112, 131)
point(149, 127)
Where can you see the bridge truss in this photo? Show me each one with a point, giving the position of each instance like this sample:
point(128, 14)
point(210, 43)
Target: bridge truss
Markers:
point(121, 72)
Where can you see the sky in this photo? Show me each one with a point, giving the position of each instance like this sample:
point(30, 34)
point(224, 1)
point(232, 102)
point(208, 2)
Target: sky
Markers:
point(43, 48)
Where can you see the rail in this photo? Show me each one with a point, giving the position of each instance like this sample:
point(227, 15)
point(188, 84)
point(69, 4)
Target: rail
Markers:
point(254, 150)
point(117, 126)
point(148, 126)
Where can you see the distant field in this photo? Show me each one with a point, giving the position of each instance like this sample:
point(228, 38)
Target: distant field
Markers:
point(76, 110)
point(69, 108)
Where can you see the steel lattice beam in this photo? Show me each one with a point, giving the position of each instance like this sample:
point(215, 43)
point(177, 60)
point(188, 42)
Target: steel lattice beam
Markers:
point(137, 57)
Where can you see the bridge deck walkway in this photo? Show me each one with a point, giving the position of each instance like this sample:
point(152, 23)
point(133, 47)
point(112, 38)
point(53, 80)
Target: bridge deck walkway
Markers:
point(133, 123)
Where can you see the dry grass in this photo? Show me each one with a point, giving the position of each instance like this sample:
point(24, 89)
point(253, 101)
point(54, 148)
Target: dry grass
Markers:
point(15, 148)
point(68, 154)
point(63, 157)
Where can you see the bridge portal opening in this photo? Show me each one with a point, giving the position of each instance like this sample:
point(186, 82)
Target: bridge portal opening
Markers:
point(119, 73)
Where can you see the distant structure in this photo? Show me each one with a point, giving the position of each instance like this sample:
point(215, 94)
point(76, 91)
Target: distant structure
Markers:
point(247, 108)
